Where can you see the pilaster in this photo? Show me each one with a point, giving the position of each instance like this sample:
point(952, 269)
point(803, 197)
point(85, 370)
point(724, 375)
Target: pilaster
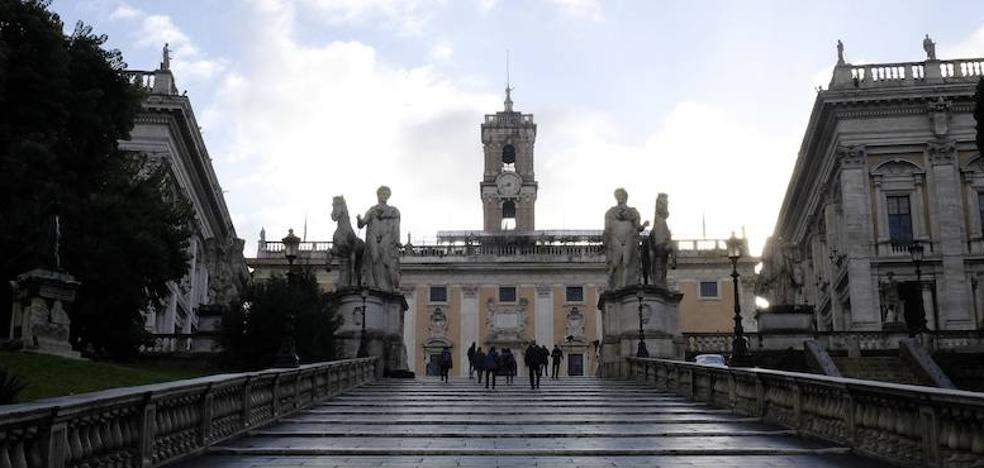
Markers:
point(954, 300)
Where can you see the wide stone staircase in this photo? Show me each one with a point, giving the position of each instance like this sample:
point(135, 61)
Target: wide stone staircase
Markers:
point(568, 422)
point(880, 368)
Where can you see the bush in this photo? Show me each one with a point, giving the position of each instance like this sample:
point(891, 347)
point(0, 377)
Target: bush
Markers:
point(10, 386)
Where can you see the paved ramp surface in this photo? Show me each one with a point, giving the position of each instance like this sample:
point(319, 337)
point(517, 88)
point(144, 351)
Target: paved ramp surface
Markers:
point(566, 423)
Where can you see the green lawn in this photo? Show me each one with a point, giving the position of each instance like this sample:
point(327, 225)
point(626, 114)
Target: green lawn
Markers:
point(49, 376)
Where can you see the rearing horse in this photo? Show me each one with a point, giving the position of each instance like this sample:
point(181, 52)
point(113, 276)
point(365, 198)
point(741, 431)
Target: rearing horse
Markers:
point(346, 245)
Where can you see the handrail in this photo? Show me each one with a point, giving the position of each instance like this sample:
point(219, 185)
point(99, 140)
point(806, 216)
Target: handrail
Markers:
point(903, 424)
point(152, 425)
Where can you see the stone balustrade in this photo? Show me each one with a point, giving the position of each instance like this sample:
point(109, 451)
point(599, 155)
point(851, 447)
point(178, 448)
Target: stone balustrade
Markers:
point(834, 340)
point(907, 73)
point(152, 425)
point(903, 424)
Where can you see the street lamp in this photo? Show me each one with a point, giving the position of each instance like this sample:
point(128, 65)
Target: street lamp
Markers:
point(642, 352)
point(738, 348)
point(287, 356)
point(916, 251)
point(363, 352)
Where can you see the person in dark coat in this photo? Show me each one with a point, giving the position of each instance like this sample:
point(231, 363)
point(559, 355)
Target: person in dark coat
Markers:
point(508, 367)
point(446, 364)
point(544, 359)
point(557, 356)
point(479, 363)
point(471, 360)
point(532, 360)
point(491, 367)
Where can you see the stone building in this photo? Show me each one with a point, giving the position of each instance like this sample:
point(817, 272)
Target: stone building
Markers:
point(888, 166)
point(511, 283)
point(167, 133)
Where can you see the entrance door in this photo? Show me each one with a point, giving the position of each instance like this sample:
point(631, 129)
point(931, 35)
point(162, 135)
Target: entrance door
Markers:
point(434, 365)
point(575, 364)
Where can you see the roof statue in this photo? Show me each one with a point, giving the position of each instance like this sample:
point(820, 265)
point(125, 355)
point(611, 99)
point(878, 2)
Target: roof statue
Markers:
point(166, 57)
point(840, 52)
point(930, 47)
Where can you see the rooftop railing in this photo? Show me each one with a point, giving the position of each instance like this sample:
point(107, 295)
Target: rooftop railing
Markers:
point(907, 73)
point(907, 425)
point(153, 425)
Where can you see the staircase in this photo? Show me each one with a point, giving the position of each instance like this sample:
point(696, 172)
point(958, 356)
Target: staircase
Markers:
point(568, 422)
point(880, 368)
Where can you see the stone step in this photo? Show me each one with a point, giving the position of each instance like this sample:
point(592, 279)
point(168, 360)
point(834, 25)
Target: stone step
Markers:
point(514, 404)
point(509, 412)
point(811, 460)
point(737, 426)
point(712, 418)
point(321, 433)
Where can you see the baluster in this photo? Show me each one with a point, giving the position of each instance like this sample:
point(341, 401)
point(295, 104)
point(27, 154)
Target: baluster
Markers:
point(17, 458)
point(5, 461)
point(86, 442)
point(75, 443)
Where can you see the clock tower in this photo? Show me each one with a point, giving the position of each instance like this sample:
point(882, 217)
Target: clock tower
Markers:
point(508, 186)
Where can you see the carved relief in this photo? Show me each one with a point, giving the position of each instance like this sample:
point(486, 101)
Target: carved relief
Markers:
point(575, 322)
point(852, 155)
point(939, 116)
point(506, 321)
point(438, 324)
point(942, 152)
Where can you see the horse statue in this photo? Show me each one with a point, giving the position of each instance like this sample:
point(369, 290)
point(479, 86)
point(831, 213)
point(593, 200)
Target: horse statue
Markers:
point(346, 246)
point(658, 246)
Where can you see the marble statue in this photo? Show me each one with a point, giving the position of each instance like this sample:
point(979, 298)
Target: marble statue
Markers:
point(621, 239)
point(658, 246)
point(889, 290)
point(930, 47)
point(381, 260)
point(840, 52)
point(345, 246)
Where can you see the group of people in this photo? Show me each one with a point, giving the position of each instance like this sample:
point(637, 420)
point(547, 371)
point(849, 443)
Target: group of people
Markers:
point(491, 364)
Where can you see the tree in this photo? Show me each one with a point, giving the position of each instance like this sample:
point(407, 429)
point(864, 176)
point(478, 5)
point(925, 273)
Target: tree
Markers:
point(67, 102)
point(979, 114)
point(254, 328)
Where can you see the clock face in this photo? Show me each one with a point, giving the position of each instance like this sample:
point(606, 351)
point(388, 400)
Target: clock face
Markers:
point(508, 184)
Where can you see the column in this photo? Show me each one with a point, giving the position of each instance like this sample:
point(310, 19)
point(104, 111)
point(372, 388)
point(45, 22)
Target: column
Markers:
point(858, 236)
point(544, 315)
point(954, 300)
point(410, 327)
point(469, 325)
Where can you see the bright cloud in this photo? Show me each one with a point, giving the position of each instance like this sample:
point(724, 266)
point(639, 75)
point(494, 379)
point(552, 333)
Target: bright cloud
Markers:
point(410, 16)
point(970, 47)
point(441, 52)
point(585, 8)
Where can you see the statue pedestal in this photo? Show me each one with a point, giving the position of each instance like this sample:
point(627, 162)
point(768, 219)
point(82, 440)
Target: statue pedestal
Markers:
point(383, 325)
point(40, 320)
point(620, 321)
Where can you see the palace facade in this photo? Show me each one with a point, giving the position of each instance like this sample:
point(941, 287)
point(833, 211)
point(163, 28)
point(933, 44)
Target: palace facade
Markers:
point(880, 228)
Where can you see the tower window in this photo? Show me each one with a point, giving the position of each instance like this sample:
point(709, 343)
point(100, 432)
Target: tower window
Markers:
point(899, 220)
point(508, 215)
point(508, 154)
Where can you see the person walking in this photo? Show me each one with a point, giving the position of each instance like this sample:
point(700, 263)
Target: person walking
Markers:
point(508, 365)
point(445, 364)
point(471, 360)
point(557, 356)
point(532, 360)
point(544, 360)
point(479, 363)
point(491, 367)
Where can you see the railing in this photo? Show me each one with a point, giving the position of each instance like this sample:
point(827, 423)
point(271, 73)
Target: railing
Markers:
point(152, 425)
point(904, 424)
point(836, 340)
point(908, 73)
point(156, 82)
point(168, 343)
point(508, 118)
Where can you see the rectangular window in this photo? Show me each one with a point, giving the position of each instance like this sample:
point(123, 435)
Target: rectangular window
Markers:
point(899, 219)
point(709, 290)
point(575, 294)
point(439, 294)
point(507, 294)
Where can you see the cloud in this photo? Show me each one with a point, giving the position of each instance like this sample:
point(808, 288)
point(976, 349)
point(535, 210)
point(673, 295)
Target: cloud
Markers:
point(316, 120)
point(970, 47)
point(485, 6)
point(153, 31)
point(585, 8)
point(409, 16)
point(441, 52)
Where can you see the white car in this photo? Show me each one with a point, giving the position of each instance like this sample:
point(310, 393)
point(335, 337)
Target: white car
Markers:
point(716, 360)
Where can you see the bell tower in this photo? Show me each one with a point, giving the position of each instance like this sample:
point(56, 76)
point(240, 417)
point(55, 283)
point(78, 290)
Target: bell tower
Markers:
point(508, 186)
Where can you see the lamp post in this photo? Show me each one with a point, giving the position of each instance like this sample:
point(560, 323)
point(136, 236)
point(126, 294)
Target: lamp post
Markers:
point(738, 348)
point(363, 352)
point(287, 356)
point(916, 251)
point(642, 352)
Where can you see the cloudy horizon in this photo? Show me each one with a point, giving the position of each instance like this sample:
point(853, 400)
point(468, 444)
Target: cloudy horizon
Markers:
point(706, 101)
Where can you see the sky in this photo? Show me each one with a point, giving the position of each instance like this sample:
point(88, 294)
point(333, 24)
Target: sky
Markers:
point(705, 100)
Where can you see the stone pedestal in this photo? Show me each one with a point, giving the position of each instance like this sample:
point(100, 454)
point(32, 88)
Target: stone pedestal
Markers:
point(620, 322)
point(40, 321)
point(383, 325)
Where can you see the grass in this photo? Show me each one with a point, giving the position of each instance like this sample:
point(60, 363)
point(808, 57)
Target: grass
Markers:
point(50, 376)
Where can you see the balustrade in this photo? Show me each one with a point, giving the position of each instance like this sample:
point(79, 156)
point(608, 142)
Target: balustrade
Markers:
point(152, 425)
point(903, 424)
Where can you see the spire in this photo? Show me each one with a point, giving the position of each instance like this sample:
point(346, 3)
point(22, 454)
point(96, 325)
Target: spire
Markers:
point(508, 102)
point(304, 236)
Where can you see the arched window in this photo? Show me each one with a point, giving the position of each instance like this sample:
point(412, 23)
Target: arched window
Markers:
point(508, 215)
point(509, 158)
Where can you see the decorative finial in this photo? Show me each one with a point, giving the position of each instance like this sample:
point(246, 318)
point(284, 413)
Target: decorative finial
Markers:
point(166, 57)
point(262, 234)
point(508, 102)
point(930, 47)
point(840, 52)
